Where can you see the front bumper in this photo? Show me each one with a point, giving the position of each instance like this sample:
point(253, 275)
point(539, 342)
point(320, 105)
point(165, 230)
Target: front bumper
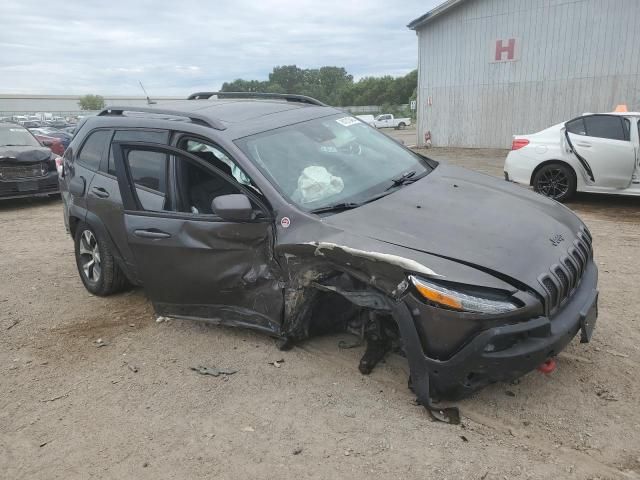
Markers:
point(30, 187)
point(507, 352)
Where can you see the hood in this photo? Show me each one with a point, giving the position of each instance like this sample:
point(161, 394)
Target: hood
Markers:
point(24, 153)
point(470, 218)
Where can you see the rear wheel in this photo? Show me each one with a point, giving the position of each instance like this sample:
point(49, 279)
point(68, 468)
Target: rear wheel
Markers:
point(98, 270)
point(555, 180)
point(402, 126)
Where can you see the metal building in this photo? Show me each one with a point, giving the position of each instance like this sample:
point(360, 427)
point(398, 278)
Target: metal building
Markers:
point(489, 69)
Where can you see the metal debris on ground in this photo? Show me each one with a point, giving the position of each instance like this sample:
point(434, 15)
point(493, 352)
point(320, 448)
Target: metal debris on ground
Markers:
point(346, 344)
point(100, 343)
point(276, 363)
point(214, 372)
point(13, 324)
point(161, 319)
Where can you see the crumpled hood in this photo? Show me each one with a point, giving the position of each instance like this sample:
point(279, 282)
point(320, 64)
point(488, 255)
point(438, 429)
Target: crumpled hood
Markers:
point(24, 154)
point(470, 218)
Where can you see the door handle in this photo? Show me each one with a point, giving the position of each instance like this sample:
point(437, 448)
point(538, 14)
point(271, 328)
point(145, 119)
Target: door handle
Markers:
point(99, 192)
point(583, 144)
point(151, 233)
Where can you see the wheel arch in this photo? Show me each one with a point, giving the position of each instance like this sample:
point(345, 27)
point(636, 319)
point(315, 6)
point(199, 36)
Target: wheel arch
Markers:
point(549, 162)
point(92, 220)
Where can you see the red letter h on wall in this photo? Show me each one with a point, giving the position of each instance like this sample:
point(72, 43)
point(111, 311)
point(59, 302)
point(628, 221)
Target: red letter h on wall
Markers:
point(509, 49)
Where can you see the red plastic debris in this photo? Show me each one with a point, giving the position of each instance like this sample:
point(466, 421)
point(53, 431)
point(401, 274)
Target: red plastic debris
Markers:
point(548, 366)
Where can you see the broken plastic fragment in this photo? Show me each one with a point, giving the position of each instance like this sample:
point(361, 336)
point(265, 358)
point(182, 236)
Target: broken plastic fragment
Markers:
point(214, 372)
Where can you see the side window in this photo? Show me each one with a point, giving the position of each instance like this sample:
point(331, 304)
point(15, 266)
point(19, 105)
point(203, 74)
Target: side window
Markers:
point(197, 187)
point(219, 159)
point(93, 148)
point(607, 126)
point(149, 173)
point(577, 127)
point(149, 136)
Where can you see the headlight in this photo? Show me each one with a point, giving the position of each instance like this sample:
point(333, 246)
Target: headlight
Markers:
point(464, 302)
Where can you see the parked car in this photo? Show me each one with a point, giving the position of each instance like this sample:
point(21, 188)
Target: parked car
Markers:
point(594, 153)
point(64, 137)
point(279, 213)
point(387, 120)
point(53, 143)
point(26, 167)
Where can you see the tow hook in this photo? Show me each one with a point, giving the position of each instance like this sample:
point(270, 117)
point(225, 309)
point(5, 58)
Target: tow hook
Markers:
point(548, 366)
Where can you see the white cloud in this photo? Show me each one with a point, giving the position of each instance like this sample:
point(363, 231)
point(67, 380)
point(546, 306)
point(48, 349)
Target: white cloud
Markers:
point(175, 48)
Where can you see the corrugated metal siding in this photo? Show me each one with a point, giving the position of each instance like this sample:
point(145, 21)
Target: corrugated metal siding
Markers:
point(575, 56)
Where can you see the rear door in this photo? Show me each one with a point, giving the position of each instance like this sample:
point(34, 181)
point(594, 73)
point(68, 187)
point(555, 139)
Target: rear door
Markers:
point(191, 262)
point(603, 144)
point(103, 196)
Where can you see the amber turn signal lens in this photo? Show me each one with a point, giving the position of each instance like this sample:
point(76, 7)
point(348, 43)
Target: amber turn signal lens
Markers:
point(438, 297)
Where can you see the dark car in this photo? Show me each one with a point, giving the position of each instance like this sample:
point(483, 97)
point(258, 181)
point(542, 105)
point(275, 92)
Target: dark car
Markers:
point(282, 214)
point(26, 167)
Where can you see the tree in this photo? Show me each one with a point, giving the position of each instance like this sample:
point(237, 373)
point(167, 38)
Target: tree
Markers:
point(332, 85)
point(91, 102)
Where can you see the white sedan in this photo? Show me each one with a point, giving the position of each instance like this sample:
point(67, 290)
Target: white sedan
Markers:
point(597, 153)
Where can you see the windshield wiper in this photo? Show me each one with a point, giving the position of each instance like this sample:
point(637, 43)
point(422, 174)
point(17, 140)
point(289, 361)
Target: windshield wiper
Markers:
point(402, 179)
point(336, 207)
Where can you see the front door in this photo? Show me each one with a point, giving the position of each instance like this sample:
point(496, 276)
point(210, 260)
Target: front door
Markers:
point(603, 142)
point(192, 263)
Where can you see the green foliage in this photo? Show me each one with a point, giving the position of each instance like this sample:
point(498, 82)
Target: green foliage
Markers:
point(91, 102)
point(332, 85)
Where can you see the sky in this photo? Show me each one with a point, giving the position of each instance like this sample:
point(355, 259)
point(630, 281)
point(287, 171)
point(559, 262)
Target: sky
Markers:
point(178, 47)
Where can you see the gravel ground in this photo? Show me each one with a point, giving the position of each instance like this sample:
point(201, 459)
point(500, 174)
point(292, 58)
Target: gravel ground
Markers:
point(132, 408)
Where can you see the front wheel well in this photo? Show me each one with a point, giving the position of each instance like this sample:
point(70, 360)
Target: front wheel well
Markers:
point(550, 162)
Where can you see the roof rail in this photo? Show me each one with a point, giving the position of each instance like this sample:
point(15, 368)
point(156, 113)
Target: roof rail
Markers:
point(275, 96)
point(194, 117)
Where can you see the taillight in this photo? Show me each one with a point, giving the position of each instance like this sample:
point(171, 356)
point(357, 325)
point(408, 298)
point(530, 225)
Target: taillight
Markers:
point(518, 143)
point(59, 166)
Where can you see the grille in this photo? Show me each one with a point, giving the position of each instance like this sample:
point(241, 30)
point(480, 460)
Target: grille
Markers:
point(12, 172)
point(562, 279)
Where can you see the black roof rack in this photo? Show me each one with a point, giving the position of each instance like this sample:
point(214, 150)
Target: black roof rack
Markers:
point(194, 117)
point(275, 96)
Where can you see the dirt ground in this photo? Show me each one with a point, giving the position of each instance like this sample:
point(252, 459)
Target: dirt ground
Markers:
point(132, 408)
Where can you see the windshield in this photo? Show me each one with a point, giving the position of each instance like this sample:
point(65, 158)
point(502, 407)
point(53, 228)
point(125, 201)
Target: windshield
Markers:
point(332, 160)
point(17, 136)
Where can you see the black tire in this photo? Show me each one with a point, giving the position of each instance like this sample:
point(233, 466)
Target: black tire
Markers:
point(98, 270)
point(402, 126)
point(555, 180)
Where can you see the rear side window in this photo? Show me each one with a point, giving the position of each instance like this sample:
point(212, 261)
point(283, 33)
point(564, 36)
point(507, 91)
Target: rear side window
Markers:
point(149, 136)
point(577, 127)
point(607, 126)
point(149, 173)
point(148, 169)
point(93, 148)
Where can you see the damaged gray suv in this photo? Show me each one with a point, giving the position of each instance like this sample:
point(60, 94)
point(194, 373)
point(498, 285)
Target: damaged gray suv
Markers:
point(282, 214)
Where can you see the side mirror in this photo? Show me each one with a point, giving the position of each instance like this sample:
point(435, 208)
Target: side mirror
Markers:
point(234, 207)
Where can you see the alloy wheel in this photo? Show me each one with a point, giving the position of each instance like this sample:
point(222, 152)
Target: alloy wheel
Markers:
point(90, 256)
point(553, 183)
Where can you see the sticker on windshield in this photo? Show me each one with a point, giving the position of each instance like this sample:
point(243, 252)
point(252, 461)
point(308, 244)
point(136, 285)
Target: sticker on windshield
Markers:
point(347, 121)
point(285, 222)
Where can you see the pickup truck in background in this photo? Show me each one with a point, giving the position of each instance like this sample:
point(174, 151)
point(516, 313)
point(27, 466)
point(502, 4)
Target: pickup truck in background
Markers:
point(386, 120)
